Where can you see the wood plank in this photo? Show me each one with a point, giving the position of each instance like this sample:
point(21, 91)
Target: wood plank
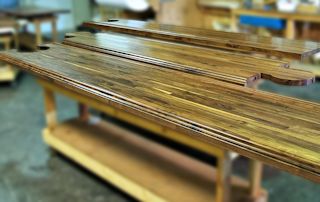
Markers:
point(108, 151)
point(275, 46)
point(222, 65)
point(278, 130)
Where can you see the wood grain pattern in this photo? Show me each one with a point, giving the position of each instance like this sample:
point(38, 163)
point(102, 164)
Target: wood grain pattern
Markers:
point(222, 65)
point(277, 130)
point(275, 46)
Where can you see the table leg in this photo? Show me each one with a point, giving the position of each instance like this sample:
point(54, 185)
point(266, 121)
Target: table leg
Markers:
point(50, 108)
point(37, 24)
point(234, 22)
point(255, 176)
point(7, 44)
point(290, 29)
point(16, 36)
point(306, 30)
point(54, 29)
point(223, 178)
point(84, 114)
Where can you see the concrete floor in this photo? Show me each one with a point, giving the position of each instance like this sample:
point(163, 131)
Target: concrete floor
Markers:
point(29, 174)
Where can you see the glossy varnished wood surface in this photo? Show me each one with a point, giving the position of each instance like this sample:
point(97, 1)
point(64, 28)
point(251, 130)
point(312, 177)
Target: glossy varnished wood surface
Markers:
point(210, 38)
point(277, 130)
point(222, 65)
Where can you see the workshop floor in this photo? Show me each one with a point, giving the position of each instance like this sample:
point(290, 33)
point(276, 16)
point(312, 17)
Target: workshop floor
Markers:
point(28, 173)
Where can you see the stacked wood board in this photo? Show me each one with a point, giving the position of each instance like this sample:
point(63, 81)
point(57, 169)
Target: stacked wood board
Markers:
point(182, 80)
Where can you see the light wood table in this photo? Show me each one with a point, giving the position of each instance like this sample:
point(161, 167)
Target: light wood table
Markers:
point(146, 180)
point(290, 18)
point(37, 16)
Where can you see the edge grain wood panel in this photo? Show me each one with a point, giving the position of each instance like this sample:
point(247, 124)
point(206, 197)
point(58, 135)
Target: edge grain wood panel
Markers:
point(277, 130)
point(225, 66)
point(226, 40)
point(145, 169)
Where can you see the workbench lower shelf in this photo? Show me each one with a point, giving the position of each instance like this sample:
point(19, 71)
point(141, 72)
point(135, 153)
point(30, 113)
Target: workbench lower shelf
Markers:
point(8, 73)
point(144, 169)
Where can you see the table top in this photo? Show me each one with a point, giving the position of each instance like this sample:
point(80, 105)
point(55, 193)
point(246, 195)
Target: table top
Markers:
point(275, 46)
point(278, 130)
point(219, 4)
point(218, 64)
point(8, 22)
point(31, 12)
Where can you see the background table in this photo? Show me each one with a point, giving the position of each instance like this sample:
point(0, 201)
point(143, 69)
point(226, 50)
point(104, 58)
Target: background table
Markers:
point(290, 18)
point(37, 16)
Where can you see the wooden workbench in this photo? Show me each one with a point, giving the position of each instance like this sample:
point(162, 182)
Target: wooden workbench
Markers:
point(37, 16)
point(157, 92)
point(290, 18)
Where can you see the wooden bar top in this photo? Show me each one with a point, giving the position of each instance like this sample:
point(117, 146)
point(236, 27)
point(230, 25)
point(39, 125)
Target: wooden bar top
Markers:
point(280, 131)
point(221, 65)
point(274, 46)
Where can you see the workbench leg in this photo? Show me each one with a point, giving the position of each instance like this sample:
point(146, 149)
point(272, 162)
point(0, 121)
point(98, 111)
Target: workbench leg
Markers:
point(84, 113)
point(50, 108)
point(223, 178)
point(16, 36)
point(37, 25)
point(54, 29)
point(306, 30)
point(255, 176)
point(7, 45)
point(290, 29)
point(234, 23)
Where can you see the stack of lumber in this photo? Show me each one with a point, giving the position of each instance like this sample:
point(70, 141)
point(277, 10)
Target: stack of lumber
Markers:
point(188, 80)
